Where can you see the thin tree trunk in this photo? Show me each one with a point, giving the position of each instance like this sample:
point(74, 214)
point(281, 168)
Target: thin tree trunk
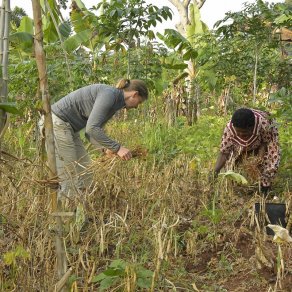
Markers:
point(49, 134)
point(192, 103)
point(255, 76)
point(4, 50)
point(41, 64)
point(2, 26)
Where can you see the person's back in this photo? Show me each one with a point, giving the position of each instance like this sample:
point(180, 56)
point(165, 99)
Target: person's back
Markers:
point(76, 107)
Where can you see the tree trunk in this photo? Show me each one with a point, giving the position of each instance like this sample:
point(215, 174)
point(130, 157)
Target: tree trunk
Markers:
point(4, 50)
point(183, 10)
point(49, 134)
point(192, 106)
point(188, 28)
point(255, 77)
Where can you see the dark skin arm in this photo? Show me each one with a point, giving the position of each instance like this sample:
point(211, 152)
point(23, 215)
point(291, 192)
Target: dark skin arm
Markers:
point(221, 160)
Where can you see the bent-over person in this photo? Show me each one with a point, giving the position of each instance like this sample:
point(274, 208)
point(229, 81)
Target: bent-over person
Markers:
point(252, 131)
point(89, 108)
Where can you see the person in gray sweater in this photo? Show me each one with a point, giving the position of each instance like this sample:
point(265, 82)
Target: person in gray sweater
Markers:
point(89, 108)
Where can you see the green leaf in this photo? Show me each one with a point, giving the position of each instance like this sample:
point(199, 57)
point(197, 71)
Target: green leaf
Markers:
point(76, 40)
point(72, 279)
point(21, 252)
point(26, 25)
point(65, 29)
point(82, 19)
point(107, 283)
point(144, 282)
point(21, 37)
point(10, 107)
point(9, 258)
point(282, 19)
point(50, 32)
point(114, 272)
point(235, 177)
point(173, 38)
point(190, 54)
point(144, 273)
point(118, 264)
point(98, 278)
point(80, 4)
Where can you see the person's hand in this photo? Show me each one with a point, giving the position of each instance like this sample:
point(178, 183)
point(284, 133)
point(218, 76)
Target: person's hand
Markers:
point(264, 190)
point(109, 152)
point(124, 153)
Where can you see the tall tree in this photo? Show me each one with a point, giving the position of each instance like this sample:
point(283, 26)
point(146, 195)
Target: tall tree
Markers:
point(48, 126)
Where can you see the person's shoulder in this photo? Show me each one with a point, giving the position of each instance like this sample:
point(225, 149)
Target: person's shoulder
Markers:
point(261, 113)
point(108, 88)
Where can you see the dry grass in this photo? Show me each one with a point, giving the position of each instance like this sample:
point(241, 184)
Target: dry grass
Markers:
point(142, 211)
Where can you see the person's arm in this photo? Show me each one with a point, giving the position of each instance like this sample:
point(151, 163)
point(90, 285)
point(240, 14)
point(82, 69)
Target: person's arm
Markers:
point(221, 160)
point(102, 111)
point(225, 149)
point(271, 158)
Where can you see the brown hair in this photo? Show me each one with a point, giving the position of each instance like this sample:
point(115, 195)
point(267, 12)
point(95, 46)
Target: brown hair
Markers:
point(134, 84)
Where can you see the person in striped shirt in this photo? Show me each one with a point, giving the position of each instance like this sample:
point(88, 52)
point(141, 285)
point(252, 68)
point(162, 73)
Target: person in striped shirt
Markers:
point(254, 132)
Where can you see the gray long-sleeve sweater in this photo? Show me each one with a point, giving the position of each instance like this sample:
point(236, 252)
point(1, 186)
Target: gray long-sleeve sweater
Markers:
point(90, 107)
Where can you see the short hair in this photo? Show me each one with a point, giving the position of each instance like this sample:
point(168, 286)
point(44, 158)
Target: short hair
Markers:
point(134, 84)
point(243, 118)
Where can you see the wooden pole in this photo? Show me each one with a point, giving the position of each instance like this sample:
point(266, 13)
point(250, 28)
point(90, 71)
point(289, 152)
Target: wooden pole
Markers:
point(49, 134)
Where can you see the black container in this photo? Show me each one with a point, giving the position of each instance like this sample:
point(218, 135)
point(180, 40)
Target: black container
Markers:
point(275, 212)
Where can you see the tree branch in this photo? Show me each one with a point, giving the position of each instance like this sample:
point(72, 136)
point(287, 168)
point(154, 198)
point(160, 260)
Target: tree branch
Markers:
point(200, 3)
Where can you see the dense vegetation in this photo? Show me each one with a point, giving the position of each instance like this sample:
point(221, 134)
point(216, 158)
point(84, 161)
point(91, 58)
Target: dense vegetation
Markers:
point(157, 222)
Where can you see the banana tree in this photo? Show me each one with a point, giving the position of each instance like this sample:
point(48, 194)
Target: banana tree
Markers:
point(188, 42)
point(55, 30)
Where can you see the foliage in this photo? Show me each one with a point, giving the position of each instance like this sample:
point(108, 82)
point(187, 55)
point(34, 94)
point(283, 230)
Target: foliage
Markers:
point(16, 15)
point(246, 40)
point(9, 107)
point(11, 257)
point(119, 24)
point(118, 270)
point(237, 177)
point(283, 100)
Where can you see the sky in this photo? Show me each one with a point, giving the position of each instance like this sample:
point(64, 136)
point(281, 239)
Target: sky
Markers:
point(212, 10)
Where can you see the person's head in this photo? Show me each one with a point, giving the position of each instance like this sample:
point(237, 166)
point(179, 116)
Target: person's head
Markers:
point(243, 121)
point(135, 92)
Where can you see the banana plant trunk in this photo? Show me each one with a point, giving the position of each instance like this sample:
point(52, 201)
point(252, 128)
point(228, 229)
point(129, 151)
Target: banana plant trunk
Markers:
point(190, 25)
point(255, 76)
point(192, 116)
point(4, 50)
point(49, 134)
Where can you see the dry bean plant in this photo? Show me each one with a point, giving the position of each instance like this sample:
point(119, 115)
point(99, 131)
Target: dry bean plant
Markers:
point(167, 218)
